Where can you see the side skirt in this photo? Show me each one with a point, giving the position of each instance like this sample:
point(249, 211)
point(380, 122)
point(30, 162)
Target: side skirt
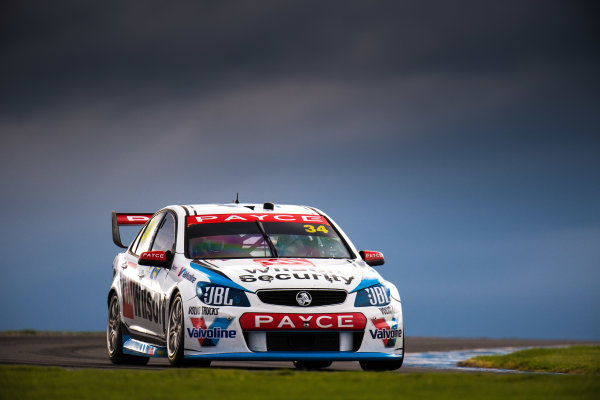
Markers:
point(138, 348)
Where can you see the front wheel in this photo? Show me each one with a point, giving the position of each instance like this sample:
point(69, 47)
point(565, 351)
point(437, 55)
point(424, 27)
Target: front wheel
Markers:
point(175, 342)
point(384, 365)
point(114, 338)
point(381, 365)
point(175, 333)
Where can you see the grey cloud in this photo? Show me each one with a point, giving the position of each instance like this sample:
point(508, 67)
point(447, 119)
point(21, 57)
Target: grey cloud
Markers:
point(49, 49)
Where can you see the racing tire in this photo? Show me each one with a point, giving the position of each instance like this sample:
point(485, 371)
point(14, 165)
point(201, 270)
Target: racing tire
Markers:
point(175, 333)
point(311, 364)
point(114, 337)
point(175, 343)
point(175, 340)
point(387, 365)
point(381, 365)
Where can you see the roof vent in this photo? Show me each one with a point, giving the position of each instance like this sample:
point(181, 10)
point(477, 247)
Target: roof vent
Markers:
point(268, 206)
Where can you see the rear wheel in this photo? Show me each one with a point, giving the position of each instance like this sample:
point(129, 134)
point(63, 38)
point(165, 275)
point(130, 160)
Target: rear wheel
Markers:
point(114, 338)
point(311, 364)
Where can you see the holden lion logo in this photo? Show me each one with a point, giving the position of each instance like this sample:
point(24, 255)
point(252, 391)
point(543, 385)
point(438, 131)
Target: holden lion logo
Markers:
point(303, 299)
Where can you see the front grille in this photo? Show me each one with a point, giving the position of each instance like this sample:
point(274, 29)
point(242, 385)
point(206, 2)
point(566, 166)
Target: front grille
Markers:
point(303, 341)
point(309, 341)
point(287, 297)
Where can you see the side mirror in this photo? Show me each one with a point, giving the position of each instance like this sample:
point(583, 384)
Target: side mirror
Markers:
point(155, 258)
point(373, 258)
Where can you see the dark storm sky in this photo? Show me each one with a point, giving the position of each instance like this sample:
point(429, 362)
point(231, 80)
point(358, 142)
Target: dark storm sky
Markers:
point(459, 138)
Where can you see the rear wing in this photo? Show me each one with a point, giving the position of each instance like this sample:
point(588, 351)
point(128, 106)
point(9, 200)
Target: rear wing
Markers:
point(119, 219)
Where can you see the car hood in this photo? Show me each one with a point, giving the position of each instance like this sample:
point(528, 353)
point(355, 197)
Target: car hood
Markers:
point(288, 273)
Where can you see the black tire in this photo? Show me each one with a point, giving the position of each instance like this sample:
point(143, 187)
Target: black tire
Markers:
point(311, 364)
point(175, 340)
point(388, 365)
point(114, 338)
point(175, 332)
point(381, 365)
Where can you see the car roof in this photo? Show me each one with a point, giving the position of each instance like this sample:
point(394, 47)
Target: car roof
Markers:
point(247, 208)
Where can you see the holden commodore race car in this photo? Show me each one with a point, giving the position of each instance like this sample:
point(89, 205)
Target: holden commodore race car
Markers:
point(238, 282)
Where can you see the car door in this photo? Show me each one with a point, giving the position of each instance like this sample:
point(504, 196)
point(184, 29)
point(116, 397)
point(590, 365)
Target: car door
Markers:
point(142, 303)
point(164, 240)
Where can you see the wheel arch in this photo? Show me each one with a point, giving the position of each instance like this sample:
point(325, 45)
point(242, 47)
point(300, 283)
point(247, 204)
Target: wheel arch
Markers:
point(110, 294)
point(172, 294)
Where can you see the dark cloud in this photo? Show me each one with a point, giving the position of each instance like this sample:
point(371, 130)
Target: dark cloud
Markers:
point(52, 49)
point(460, 138)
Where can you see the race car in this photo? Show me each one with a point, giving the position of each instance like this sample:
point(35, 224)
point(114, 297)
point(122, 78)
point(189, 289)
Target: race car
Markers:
point(242, 281)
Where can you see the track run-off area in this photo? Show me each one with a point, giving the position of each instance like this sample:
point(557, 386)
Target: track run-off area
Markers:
point(89, 351)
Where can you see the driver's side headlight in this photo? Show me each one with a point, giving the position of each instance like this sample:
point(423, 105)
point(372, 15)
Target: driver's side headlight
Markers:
point(218, 295)
point(376, 295)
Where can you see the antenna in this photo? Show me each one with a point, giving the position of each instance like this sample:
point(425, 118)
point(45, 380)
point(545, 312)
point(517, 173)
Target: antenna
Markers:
point(237, 198)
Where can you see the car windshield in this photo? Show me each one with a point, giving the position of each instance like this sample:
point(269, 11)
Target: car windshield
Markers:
point(246, 240)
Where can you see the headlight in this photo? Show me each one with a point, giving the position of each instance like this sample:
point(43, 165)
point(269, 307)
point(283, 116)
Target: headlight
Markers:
point(219, 295)
point(376, 295)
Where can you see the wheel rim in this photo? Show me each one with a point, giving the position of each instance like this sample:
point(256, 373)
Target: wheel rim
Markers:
point(113, 326)
point(175, 328)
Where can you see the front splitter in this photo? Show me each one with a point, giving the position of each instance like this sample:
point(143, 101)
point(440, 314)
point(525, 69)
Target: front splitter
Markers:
point(293, 356)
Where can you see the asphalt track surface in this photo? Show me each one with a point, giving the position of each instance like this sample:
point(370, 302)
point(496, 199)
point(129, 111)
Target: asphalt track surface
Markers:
point(89, 351)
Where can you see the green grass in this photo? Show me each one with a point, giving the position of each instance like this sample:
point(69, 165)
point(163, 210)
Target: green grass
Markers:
point(21, 382)
point(575, 359)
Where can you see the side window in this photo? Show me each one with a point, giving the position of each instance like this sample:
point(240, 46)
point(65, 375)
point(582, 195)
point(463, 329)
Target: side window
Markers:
point(165, 237)
point(146, 238)
point(136, 241)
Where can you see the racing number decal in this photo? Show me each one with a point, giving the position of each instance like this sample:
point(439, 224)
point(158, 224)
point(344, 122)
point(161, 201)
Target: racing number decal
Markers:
point(312, 229)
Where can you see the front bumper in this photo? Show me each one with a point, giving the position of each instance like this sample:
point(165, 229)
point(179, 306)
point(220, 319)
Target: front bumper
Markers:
point(226, 335)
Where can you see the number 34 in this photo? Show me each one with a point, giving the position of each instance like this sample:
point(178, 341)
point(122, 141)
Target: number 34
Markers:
point(312, 229)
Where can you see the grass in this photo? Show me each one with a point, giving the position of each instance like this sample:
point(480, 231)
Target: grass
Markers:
point(575, 359)
point(24, 382)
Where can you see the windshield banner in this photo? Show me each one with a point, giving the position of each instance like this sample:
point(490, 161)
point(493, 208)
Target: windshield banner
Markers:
point(220, 218)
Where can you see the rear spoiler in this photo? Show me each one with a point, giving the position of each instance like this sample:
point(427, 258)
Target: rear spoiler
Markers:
point(126, 219)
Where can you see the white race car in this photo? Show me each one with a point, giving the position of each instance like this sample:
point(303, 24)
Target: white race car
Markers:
point(249, 282)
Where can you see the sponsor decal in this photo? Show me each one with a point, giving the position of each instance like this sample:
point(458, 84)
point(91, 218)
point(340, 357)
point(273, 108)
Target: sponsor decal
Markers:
point(141, 302)
point(194, 310)
point(388, 332)
point(336, 322)
point(294, 269)
point(387, 310)
point(377, 295)
point(210, 336)
point(154, 272)
point(154, 255)
point(218, 295)
point(133, 219)
point(283, 261)
point(373, 255)
point(210, 310)
point(203, 310)
point(221, 218)
point(145, 348)
point(187, 275)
